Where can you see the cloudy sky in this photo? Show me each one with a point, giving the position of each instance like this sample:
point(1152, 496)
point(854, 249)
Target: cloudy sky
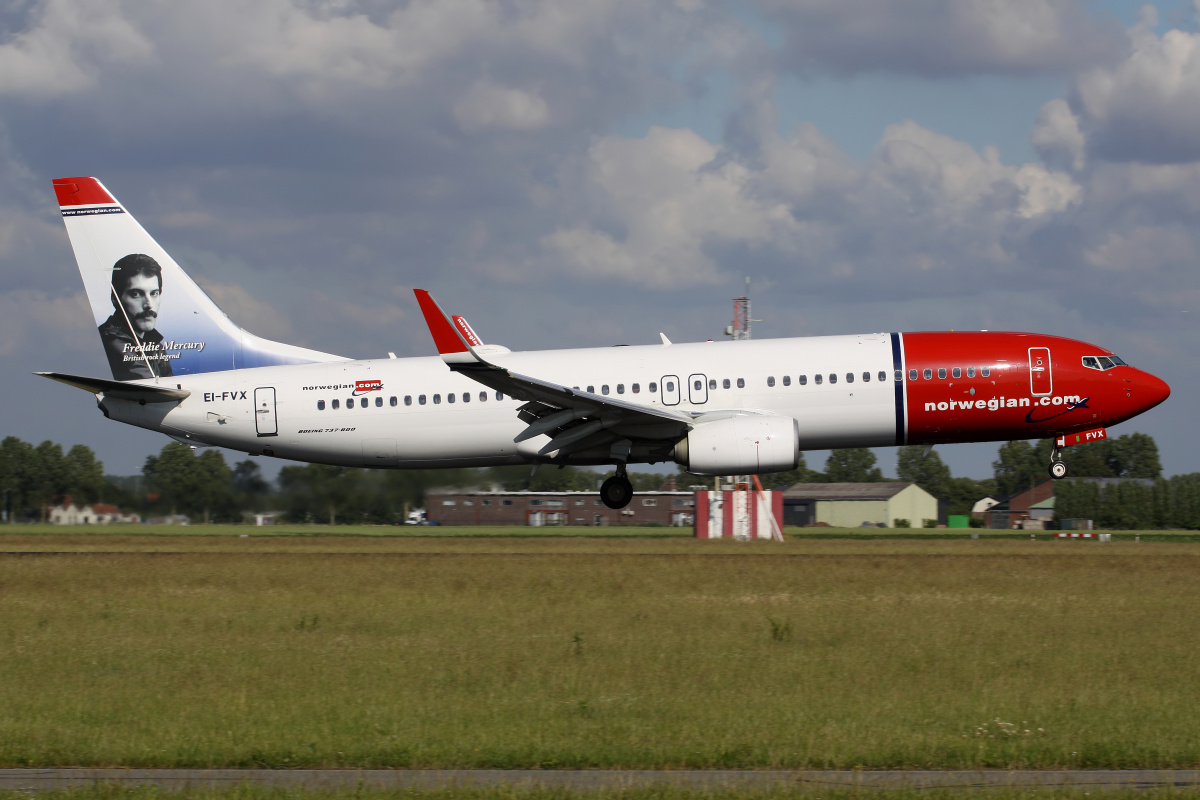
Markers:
point(590, 173)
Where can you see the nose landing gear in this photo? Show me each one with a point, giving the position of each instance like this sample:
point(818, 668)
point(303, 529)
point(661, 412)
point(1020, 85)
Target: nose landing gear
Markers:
point(617, 491)
point(1057, 468)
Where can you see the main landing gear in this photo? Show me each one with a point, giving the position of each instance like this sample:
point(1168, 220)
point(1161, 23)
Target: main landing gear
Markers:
point(617, 491)
point(1057, 468)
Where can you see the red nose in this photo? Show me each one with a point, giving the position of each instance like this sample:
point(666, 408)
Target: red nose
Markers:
point(1150, 390)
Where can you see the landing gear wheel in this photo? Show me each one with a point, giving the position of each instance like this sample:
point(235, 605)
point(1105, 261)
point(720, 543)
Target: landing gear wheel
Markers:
point(1058, 470)
point(616, 492)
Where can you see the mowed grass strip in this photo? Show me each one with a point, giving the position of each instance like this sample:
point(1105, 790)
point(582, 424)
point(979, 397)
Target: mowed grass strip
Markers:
point(660, 792)
point(955, 654)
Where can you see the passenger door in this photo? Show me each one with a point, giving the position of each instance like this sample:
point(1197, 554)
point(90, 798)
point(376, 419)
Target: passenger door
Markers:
point(1041, 382)
point(264, 411)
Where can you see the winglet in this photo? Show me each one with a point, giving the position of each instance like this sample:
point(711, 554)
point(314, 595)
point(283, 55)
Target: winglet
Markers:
point(451, 342)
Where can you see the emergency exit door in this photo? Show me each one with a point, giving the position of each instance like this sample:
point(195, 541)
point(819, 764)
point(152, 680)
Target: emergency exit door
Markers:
point(264, 411)
point(1041, 382)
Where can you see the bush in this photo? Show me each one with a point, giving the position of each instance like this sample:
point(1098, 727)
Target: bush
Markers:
point(929, 523)
point(901, 523)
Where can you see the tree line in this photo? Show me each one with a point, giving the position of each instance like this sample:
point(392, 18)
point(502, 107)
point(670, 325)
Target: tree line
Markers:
point(202, 485)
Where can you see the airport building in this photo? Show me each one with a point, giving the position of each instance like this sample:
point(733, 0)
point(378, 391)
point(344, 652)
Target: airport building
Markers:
point(853, 505)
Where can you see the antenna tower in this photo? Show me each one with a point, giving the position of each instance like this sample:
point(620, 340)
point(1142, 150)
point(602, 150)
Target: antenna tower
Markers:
point(740, 329)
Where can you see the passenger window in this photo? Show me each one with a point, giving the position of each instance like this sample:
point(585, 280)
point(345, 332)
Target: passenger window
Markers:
point(604, 389)
point(849, 377)
point(669, 386)
point(787, 380)
point(832, 378)
point(712, 383)
point(899, 375)
point(349, 402)
point(379, 402)
point(449, 398)
point(741, 383)
point(637, 388)
point(437, 399)
point(408, 400)
point(803, 380)
point(393, 402)
point(421, 400)
point(591, 389)
point(620, 388)
point(957, 372)
point(333, 404)
point(483, 397)
point(985, 372)
point(499, 395)
point(320, 405)
point(697, 385)
point(942, 373)
point(653, 387)
point(970, 372)
point(817, 379)
point(866, 377)
point(466, 397)
point(771, 380)
point(927, 374)
point(725, 383)
point(912, 374)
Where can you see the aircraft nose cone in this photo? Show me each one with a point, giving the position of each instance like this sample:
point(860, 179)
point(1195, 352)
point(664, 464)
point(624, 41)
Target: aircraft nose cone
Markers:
point(1152, 390)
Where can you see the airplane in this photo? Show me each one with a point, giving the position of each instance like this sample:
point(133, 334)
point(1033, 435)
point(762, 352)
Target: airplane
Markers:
point(180, 366)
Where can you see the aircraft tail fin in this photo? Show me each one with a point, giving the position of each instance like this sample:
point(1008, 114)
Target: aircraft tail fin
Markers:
point(153, 320)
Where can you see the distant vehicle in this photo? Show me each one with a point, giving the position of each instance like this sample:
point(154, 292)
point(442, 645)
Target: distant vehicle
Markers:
point(180, 366)
point(416, 517)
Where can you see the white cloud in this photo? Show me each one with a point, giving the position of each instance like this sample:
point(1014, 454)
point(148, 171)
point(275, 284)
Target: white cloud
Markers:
point(1147, 107)
point(490, 105)
point(1057, 137)
point(67, 46)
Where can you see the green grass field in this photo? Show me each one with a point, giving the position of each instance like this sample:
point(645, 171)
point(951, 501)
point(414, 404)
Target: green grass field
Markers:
point(400, 651)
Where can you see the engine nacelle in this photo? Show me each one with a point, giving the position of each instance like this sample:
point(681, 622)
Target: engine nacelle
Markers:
point(741, 444)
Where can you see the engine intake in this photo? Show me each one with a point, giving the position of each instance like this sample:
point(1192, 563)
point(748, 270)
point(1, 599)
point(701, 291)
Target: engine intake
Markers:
point(745, 443)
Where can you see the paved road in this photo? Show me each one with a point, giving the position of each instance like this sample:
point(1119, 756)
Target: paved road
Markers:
point(585, 779)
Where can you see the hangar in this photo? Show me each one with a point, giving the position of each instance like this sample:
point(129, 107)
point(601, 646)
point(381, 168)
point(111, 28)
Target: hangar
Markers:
point(850, 505)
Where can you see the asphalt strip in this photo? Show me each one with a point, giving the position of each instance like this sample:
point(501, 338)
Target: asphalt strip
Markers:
point(33, 780)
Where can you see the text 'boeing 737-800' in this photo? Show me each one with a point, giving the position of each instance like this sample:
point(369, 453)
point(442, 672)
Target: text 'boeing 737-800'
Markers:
point(182, 367)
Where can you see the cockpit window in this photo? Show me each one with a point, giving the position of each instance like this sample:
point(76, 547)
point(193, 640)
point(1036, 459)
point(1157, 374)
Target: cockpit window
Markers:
point(1102, 362)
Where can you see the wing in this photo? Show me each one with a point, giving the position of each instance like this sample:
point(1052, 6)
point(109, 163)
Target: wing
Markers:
point(574, 420)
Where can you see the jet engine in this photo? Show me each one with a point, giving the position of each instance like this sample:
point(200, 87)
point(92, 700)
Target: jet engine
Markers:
point(740, 444)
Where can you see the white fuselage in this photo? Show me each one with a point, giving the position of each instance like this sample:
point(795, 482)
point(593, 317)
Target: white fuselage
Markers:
point(277, 410)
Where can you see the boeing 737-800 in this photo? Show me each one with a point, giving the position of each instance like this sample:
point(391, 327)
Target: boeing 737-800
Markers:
point(181, 367)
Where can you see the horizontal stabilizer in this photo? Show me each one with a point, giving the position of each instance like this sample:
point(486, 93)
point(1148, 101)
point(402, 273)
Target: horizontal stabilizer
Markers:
point(118, 390)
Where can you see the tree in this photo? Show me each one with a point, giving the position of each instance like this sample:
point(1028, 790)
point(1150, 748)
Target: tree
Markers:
point(852, 465)
point(927, 471)
point(15, 458)
point(212, 484)
point(47, 475)
point(1019, 467)
point(84, 475)
point(173, 474)
point(1136, 456)
point(782, 480)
